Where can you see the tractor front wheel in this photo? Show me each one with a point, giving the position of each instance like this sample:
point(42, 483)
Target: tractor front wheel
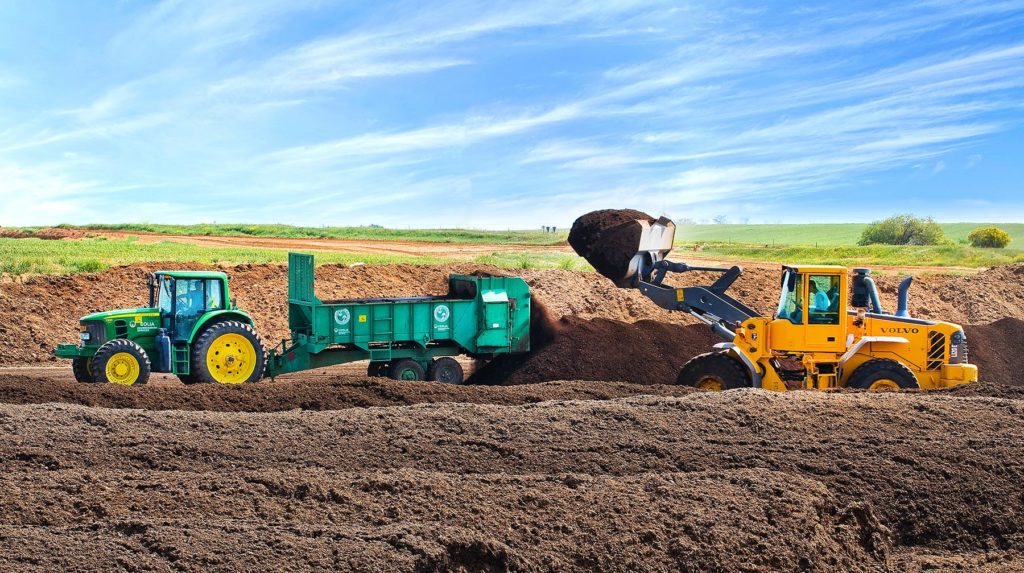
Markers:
point(228, 352)
point(82, 368)
point(121, 362)
point(713, 371)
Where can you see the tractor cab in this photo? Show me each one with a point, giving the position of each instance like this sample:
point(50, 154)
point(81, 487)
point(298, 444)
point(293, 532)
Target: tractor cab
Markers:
point(811, 315)
point(184, 297)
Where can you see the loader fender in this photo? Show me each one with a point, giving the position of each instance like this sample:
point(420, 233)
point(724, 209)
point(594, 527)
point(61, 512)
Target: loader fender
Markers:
point(752, 369)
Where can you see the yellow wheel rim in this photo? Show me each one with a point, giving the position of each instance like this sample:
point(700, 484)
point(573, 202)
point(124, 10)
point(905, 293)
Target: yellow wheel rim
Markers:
point(231, 359)
point(122, 368)
point(884, 385)
point(713, 384)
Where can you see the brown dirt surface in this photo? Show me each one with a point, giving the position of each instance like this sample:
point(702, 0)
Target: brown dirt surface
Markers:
point(306, 392)
point(744, 480)
point(608, 239)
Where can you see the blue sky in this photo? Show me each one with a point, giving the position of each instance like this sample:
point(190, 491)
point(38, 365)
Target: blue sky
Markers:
point(508, 115)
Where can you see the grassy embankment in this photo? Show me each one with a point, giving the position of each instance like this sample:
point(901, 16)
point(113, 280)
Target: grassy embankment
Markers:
point(20, 257)
point(810, 243)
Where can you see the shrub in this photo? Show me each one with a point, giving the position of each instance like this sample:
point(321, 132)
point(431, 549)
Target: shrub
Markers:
point(904, 230)
point(990, 237)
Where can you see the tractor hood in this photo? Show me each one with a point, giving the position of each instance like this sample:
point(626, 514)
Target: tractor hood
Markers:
point(126, 313)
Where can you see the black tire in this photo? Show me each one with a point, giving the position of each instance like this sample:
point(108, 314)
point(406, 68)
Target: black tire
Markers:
point(186, 379)
point(233, 364)
point(445, 370)
point(714, 371)
point(406, 369)
point(377, 369)
point(114, 348)
point(879, 371)
point(82, 369)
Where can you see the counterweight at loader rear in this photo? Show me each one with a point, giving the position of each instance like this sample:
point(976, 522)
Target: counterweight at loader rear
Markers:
point(813, 340)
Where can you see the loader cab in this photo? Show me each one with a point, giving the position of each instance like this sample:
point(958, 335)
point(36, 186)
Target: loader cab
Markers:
point(184, 297)
point(811, 313)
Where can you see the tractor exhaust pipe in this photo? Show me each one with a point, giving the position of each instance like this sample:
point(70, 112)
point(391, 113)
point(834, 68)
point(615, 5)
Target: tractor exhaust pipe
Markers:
point(901, 308)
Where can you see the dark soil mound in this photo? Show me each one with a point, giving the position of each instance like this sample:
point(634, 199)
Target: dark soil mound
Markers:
point(645, 352)
point(308, 391)
point(607, 239)
point(997, 348)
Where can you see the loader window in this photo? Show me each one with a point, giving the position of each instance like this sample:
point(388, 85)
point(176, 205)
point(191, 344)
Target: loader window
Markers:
point(822, 299)
point(790, 305)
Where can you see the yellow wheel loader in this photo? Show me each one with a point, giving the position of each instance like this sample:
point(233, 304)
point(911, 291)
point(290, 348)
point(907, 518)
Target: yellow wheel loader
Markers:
point(829, 329)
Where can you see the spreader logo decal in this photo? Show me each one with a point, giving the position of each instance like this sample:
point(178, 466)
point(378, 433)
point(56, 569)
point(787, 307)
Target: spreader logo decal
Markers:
point(441, 313)
point(342, 316)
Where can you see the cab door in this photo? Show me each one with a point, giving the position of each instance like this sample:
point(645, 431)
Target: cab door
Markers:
point(826, 312)
point(787, 331)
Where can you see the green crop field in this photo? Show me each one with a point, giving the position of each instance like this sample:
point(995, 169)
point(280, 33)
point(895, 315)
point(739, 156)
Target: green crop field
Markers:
point(512, 237)
point(871, 255)
point(20, 257)
point(816, 233)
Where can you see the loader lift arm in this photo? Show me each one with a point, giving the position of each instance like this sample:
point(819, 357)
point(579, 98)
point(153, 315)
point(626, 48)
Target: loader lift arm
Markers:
point(710, 304)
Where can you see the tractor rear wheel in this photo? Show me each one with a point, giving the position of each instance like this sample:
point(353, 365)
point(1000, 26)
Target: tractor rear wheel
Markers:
point(883, 375)
point(228, 352)
point(406, 369)
point(713, 371)
point(121, 362)
point(446, 370)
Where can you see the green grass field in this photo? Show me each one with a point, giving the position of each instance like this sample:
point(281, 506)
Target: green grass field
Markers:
point(512, 237)
point(821, 234)
point(872, 255)
point(20, 257)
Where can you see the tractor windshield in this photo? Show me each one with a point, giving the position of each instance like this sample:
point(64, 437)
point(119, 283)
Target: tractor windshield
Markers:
point(165, 295)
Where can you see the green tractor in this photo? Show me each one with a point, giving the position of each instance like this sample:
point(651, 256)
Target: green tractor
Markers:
point(191, 329)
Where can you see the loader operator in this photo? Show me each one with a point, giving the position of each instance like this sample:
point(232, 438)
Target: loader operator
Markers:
point(819, 300)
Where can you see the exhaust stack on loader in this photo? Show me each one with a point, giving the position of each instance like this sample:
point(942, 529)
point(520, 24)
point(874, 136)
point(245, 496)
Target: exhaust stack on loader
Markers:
point(814, 339)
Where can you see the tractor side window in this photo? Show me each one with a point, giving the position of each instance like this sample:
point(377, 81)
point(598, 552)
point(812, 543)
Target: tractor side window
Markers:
point(823, 299)
point(189, 297)
point(214, 295)
point(790, 305)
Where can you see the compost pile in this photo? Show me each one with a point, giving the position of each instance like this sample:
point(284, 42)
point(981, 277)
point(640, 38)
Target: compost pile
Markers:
point(608, 239)
point(581, 456)
point(644, 352)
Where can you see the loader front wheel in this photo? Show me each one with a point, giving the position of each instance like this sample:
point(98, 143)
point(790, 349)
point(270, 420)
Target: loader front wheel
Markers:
point(714, 371)
point(228, 352)
point(883, 375)
point(82, 369)
point(121, 362)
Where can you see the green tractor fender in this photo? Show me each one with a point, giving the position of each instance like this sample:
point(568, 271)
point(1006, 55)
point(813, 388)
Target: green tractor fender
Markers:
point(219, 316)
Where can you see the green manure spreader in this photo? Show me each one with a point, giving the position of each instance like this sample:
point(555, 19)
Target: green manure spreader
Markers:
point(192, 329)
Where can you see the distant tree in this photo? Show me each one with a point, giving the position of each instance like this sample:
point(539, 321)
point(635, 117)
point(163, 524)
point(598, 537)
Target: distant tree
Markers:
point(989, 237)
point(904, 230)
point(721, 219)
point(745, 221)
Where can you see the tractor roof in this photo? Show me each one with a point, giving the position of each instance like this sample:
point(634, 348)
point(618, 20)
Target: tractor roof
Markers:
point(193, 274)
point(823, 269)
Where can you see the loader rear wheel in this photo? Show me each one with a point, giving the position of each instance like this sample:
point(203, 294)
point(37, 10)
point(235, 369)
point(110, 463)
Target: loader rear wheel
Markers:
point(228, 352)
point(446, 370)
point(121, 362)
point(715, 371)
point(406, 369)
point(883, 375)
point(82, 368)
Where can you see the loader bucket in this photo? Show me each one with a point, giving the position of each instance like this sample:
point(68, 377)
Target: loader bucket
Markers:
point(622, 244)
